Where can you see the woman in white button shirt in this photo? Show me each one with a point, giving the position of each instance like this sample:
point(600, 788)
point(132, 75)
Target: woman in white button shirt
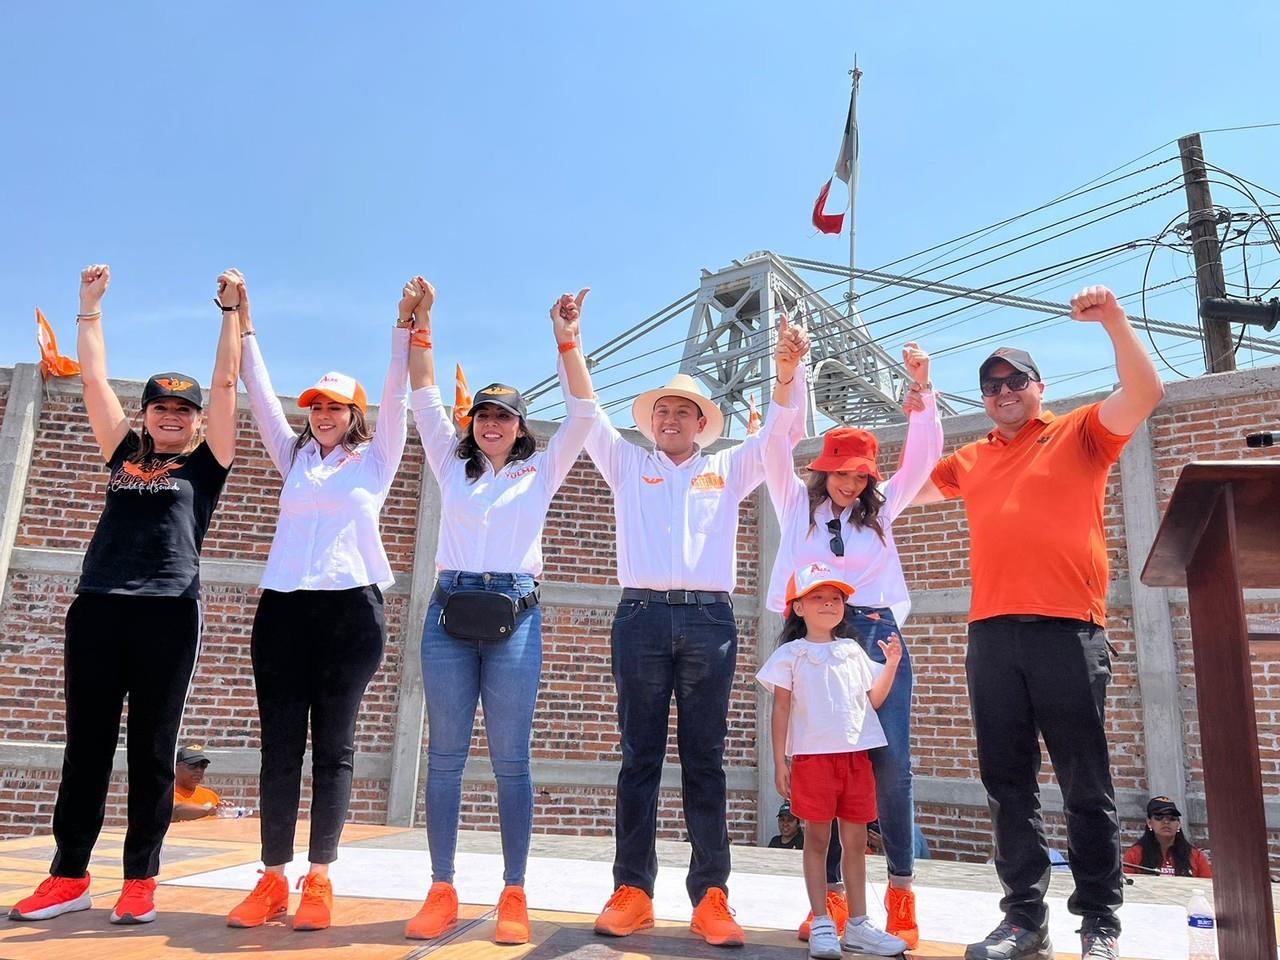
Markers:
point(494, 492)
point(843, 517)
point(319, 630)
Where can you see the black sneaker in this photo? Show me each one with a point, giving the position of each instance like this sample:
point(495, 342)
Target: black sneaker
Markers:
point(1099, 945)
point(1010, 942)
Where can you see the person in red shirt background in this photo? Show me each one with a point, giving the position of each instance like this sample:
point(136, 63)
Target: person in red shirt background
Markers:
point(1163, 849)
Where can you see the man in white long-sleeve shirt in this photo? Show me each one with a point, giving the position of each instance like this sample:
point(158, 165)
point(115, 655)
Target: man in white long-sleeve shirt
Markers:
point(677, 522)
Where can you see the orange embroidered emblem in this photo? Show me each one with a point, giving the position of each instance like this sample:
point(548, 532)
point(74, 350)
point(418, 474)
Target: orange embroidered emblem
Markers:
point(148, 472)
point(498, 391)
point(171, 384)
point(650, 480)
point(707, 481)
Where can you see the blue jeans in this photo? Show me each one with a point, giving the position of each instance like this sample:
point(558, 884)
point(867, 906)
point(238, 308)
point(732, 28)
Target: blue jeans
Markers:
point(503, 675)
point(892, 762)
point(691, 651)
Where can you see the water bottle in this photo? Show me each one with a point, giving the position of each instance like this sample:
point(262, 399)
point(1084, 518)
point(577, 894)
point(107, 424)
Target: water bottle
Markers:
point(233, 812)
point(1202, 935)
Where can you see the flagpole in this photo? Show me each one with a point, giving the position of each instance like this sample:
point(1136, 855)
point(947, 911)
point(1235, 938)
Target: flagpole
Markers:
point(856, 74)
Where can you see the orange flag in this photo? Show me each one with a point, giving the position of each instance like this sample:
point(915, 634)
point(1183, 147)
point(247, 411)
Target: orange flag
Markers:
point(753, 420)
point(52, 363)
point(461, 399)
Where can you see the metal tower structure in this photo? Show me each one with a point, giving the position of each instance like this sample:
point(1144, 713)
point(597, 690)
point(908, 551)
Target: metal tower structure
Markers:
point(732, 334)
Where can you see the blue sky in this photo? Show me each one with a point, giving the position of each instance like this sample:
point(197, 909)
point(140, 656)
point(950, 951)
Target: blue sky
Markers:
point(510, 152)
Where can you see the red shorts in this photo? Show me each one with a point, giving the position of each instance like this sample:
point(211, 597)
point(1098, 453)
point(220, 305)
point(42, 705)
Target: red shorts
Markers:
point(829, 785)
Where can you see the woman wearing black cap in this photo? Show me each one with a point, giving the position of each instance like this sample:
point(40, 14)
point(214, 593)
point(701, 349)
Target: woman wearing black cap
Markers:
point(133, 630)
point(1163, 849)
point(482, 640)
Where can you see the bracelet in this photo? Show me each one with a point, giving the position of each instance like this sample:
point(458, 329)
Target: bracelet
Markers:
point(218, 303)
point(248, 333)
point(925, 387)
point(404, 324)
point(567, 346)
point(786, 382)
point(97, 315)
point(420, 338)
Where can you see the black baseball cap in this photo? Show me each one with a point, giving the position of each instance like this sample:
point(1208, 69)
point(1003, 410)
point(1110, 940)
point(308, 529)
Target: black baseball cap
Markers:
point(785, 810)
point(500, 395)
point(173, 385)
point(192, 754)
point(1018, 359)
point(1157, 805)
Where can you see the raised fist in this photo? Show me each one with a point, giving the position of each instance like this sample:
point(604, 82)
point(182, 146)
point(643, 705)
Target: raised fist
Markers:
point(916, 361)
point(94, 281)
point(1096, 305)
point(566, 314)
point(231, 290)
point(426, 298)
point(793, 344)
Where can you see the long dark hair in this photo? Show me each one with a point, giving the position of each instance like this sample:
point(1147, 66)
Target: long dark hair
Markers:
point(793, 627)
point(468, 450)
point(1153, 856)
point(358, 432)
point(866, 511)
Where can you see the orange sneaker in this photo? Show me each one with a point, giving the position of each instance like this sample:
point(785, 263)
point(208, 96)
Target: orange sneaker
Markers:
point(900, 904)
point(137, 902)
point(439, 912)
point(52, 898)
point(837, 910)
point(628, 910)
point(316, 903)
point(713, 920)
point(267, 901)
point(513, 917)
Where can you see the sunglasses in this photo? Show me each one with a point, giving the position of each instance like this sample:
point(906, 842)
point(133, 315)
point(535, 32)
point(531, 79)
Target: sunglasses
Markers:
point(837, 541)
point(1166, 818)
point(1015, 382)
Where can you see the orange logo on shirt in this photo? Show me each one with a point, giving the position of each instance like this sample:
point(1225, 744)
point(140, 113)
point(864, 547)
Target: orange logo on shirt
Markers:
point(650, 480)
point(708, 481)
point(171, 384)
point(150, 477)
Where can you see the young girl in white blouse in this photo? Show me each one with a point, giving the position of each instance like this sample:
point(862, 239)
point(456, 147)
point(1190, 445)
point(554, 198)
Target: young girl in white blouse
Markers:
point(826, 691)
point(482, 639)
point(319, 630)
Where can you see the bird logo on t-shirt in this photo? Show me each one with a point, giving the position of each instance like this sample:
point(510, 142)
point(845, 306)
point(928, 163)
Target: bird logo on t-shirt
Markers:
point(149, 477)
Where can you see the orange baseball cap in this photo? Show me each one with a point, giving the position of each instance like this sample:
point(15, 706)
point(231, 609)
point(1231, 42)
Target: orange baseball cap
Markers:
point(335, 386)
point(812, 576)
point(848, 448)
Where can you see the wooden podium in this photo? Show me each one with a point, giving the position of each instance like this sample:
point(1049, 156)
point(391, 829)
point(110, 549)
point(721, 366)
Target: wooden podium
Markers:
point(1219, 536)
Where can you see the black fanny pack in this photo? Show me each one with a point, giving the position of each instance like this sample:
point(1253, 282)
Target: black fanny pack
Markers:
point(481, 614)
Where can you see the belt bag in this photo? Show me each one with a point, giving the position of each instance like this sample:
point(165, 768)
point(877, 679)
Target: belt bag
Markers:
point(483, 614)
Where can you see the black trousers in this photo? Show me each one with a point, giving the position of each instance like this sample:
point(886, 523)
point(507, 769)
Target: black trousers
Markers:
point(689, 652)
point(118, 646)
point(314, 652)
point(1046, 677)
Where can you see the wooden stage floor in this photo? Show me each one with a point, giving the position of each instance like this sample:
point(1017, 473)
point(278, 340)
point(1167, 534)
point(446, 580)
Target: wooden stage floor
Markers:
point(191, 916)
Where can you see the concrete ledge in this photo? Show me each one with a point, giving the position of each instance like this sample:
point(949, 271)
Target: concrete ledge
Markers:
point(589, 773)
point(236, 761)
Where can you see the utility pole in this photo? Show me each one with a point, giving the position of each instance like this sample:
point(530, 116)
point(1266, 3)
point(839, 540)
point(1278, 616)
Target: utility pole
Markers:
point(1219, 351)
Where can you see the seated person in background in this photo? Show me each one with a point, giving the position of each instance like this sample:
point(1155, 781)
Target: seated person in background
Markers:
point(875, 843)
point(789, 836)
point(1162, 849)
point(190, 800)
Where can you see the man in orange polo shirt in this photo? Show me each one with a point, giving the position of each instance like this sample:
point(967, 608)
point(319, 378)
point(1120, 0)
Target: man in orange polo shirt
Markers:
point(1038, 660)
point(191, 801)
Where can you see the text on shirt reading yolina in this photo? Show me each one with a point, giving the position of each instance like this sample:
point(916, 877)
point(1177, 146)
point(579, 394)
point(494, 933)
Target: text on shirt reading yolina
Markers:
point(707, 481)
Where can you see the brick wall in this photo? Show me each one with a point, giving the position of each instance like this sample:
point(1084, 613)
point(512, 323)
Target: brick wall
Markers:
point(574, 719)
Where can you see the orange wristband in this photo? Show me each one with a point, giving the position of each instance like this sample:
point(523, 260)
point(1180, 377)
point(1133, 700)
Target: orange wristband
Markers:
point(420, 338)
point(566, 347)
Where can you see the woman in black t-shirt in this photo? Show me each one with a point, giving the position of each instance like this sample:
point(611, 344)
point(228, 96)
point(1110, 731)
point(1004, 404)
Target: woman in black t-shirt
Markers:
point(133, 630)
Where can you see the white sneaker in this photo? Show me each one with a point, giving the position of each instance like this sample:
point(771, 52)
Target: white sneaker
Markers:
point(866, 937)
point(823, 942)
